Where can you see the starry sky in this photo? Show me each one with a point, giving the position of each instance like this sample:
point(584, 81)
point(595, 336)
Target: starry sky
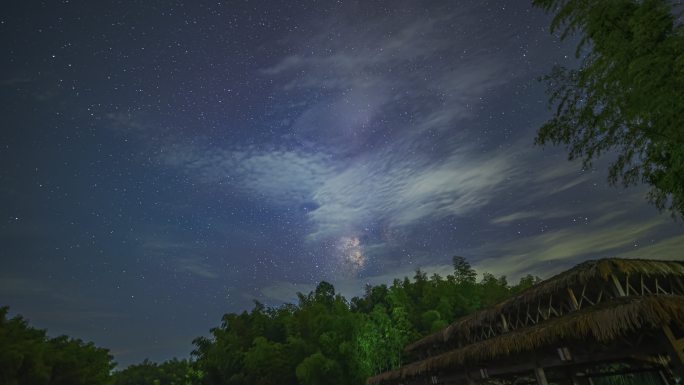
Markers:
point(165, 162)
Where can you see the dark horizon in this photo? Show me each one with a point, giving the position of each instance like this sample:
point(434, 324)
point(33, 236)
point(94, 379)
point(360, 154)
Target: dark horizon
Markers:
point(166, 163)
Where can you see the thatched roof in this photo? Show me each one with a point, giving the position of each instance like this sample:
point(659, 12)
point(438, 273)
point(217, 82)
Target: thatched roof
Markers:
point(587, 271)
point(602, 323)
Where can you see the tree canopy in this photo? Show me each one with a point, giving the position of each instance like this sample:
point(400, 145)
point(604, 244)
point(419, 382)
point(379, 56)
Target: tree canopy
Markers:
point(172, 372)
point(29, 357)
point(626, 97)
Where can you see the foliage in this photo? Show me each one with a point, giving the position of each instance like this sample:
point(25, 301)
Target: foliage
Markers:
point(29, 357)
point(627, 94)
point(381, 338)
point(172, 372)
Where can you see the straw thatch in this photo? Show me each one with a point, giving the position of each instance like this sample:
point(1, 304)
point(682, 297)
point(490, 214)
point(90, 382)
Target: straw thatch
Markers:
point(579, 275)
point(602, 323)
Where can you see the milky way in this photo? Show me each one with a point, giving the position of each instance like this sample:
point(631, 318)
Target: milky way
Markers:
point(352, 258)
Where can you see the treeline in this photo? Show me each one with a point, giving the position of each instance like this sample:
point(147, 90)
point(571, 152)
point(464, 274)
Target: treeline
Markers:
point(323, 339)
point(29, 357)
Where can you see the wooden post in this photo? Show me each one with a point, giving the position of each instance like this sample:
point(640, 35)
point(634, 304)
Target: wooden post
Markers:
point(663, 378)
point(677, 344)
point(677, 348)
point(504, 323)
point(618, 286)
point(573, 300)
point(541, 376)
point(468, 378)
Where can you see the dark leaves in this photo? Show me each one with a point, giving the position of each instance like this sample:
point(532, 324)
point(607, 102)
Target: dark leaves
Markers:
point(627, 97)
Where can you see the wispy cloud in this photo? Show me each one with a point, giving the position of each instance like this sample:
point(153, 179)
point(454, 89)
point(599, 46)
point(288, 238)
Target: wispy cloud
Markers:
point(385, 186)
point(275, 174)
point(9, 82)
point(179, 256)
point(402, 192)
point(392, 74)
point(607, 236)
point(15, 285)
point(523, 215)
point(197, 267)
point(668, 249)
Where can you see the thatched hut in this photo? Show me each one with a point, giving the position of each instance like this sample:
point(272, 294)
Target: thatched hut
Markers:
point(606, 320)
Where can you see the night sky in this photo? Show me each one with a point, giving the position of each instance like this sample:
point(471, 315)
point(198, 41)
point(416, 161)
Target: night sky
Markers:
point(165, 162)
